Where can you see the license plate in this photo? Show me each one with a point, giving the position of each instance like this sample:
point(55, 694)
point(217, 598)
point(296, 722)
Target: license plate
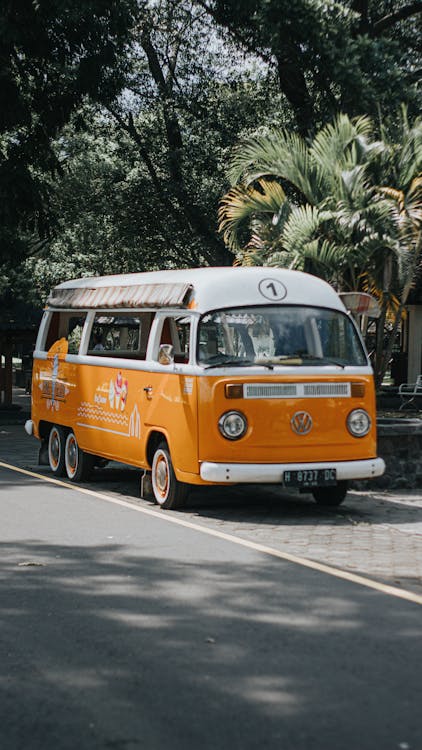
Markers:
point(310, 478)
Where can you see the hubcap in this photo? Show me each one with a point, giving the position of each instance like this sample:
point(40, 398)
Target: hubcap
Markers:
point(54, 449)
point(72, 455)
point(162, 476)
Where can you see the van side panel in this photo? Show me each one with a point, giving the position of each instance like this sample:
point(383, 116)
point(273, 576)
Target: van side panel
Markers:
point(171, 407)
point(55, 392)
point(108, 419)
point(113, 410)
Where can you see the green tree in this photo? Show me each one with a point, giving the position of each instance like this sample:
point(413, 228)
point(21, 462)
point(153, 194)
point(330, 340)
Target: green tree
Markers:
point(352, 56)
point(107, 219)
point(142, 176)
point(52, 55)
point(180, 81)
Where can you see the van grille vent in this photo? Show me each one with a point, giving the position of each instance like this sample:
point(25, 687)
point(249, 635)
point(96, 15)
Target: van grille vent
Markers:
point(297, 390)
point(271, 390)
point(326, 389)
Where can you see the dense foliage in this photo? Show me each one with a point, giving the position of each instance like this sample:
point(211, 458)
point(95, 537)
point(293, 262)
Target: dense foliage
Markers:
point(118, 119)
point(52, 55)
point(355, 56)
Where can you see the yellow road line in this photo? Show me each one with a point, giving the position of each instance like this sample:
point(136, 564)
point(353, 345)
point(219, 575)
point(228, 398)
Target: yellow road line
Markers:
point(169, 517)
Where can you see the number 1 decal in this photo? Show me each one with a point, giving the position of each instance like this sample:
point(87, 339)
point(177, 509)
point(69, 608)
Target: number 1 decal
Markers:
point(272, 289)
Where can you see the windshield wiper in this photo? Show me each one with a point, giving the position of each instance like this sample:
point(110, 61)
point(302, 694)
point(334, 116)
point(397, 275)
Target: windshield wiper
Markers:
point(297, 358)
point(284, 360)
point(229, 361)
point(321, 360)
point(330, 361)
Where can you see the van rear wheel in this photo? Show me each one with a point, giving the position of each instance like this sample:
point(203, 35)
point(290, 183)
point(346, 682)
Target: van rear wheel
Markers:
point(56, 448)
point(168, 492)
point(331, 496)
point(78, 463)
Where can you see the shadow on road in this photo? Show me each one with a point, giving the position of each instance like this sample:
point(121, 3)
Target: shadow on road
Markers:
point(104, 647)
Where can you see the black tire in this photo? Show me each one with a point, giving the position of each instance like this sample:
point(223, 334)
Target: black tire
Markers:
point(55, 448)
point(331, 496)
point(168, 492)
point(78, 463)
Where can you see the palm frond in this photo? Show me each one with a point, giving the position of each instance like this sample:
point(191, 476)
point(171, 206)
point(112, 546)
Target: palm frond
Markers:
point(281, 155)
point(410, 155)
point(370, 285)
point(301, 227)
point(406, 208)
point(284, 259)
point(353, 184)
point(395, 195)
point(332, 143)
point(325, 256)
point(242, 203)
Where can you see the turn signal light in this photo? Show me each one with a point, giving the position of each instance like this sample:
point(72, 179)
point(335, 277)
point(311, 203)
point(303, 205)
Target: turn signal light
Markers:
point(358, 390)
point(233, 390)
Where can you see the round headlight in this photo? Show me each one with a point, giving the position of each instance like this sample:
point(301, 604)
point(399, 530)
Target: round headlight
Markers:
point(232, 425)
point(358, 422)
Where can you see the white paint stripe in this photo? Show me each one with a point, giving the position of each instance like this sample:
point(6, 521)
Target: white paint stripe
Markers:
point(102, 429)
point(170, 518)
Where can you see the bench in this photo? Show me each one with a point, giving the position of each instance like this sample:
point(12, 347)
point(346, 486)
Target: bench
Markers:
point(408, 392)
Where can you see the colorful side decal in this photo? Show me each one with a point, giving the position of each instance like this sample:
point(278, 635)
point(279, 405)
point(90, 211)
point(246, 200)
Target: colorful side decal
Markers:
point(117, 392)
point(106, 413)
point(52, 389)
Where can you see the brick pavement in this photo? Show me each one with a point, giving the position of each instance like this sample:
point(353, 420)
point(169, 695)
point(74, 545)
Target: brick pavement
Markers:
point(377, 534)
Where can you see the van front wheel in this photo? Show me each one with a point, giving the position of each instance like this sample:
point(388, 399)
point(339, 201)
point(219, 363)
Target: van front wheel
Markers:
point(78, 463)
point(168, 491)
point(330, 496)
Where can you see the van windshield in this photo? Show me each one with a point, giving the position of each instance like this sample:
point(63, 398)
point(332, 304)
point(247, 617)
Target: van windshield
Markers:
point(283, 335)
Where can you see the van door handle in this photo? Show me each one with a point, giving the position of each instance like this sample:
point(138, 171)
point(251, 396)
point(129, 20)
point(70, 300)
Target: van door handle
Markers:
point(148, 391)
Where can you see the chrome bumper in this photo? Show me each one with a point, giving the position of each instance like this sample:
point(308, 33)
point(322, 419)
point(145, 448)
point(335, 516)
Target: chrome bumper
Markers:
point(273, 473)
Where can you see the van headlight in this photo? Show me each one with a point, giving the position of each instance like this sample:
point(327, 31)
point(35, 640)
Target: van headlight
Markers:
point(232, 425)
point(358, 422)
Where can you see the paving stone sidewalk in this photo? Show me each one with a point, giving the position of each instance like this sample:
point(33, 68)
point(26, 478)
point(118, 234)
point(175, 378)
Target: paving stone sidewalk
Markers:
point(376, 534)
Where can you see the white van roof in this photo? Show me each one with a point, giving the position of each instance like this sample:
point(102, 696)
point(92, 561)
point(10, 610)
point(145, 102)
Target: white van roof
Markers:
point(201, 289)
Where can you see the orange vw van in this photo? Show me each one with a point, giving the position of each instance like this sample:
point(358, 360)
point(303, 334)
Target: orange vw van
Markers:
point(205, 376)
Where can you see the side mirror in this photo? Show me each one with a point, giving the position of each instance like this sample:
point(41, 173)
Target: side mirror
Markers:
point(165, 354)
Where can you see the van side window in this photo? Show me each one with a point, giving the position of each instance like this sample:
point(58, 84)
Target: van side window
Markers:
point(53, 331)
point(120, 334)
point(176, 331)
point(66, 325)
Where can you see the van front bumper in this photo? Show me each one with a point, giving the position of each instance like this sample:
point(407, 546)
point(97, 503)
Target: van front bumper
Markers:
point(29, 427)
point(273, 473)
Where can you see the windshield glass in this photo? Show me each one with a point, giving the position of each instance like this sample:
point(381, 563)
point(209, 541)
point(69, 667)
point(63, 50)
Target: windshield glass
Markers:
point(283, 335)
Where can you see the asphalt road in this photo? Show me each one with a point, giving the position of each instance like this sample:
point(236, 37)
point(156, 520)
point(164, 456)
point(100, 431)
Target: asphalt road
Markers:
point(123, 630)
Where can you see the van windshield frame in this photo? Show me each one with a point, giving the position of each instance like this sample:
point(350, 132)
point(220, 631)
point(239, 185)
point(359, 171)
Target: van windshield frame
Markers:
point(273, 335)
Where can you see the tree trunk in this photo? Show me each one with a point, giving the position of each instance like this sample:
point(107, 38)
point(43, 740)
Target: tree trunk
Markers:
point(385, 359)
point(294, 88)
point(214, 252)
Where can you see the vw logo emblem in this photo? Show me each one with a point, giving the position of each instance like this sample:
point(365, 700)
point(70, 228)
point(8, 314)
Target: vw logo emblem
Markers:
point(301, 423)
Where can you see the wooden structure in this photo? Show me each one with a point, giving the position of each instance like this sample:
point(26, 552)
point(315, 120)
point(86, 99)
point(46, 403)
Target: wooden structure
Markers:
point(18, 329)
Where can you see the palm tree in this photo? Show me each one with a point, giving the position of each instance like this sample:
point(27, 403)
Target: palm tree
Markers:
point(305, 206)
point(319, 207)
